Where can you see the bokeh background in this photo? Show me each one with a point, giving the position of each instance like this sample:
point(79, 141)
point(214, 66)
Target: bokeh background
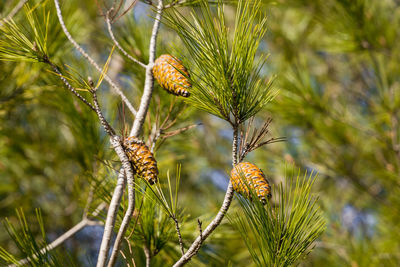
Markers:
point(338, 73)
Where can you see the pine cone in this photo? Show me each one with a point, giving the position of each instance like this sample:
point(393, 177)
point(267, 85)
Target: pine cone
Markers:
point(246, 172)
point(168, 70)
point(142, 160)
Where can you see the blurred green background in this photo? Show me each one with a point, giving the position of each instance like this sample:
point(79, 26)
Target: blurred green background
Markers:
point(338, 75)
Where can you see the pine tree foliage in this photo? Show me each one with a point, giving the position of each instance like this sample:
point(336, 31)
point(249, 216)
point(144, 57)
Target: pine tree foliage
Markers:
point(337, 73)
point(341, 105)
point(239, 95)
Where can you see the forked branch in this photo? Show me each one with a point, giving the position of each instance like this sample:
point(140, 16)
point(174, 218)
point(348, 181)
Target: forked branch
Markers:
point(136, 128)
point(194, 248)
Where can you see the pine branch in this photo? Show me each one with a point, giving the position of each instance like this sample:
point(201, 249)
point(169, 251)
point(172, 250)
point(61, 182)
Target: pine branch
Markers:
point(194, 248)
point(147, 253)
point(178, 131)
point(116, 199)
point(149, 81)
point(116, 142)
point(116, 88)
point(111, 217)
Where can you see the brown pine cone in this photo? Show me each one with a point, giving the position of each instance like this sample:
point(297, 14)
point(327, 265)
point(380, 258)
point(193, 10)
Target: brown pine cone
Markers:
point(142, 160)
point(249, 173)
point(167, 70)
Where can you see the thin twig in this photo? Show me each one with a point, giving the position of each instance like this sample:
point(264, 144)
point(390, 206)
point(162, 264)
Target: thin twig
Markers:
point(116, 142)
point(91, 61)
point(256, 139)
point(160, 133)
point(14, 11)
point(117, 43)
point(88, 202)
point(178, 231)
point(111, 217)
point(171, 107)
point(115, 9)
point(137, 216)
point(125, 11)
point(123, 256)
point(194, 248)
point(199, 223)
point(130, 251)
point(174, 3)
point(158, 130)
point(178, 131)
point(61, 239)
point(149, 81)
point(103, 121)
point(154, 140)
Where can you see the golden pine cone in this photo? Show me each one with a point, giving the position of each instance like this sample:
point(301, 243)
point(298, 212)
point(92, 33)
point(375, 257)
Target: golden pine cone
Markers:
point(168, 70)
point(142, 160)
point(246, 172)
